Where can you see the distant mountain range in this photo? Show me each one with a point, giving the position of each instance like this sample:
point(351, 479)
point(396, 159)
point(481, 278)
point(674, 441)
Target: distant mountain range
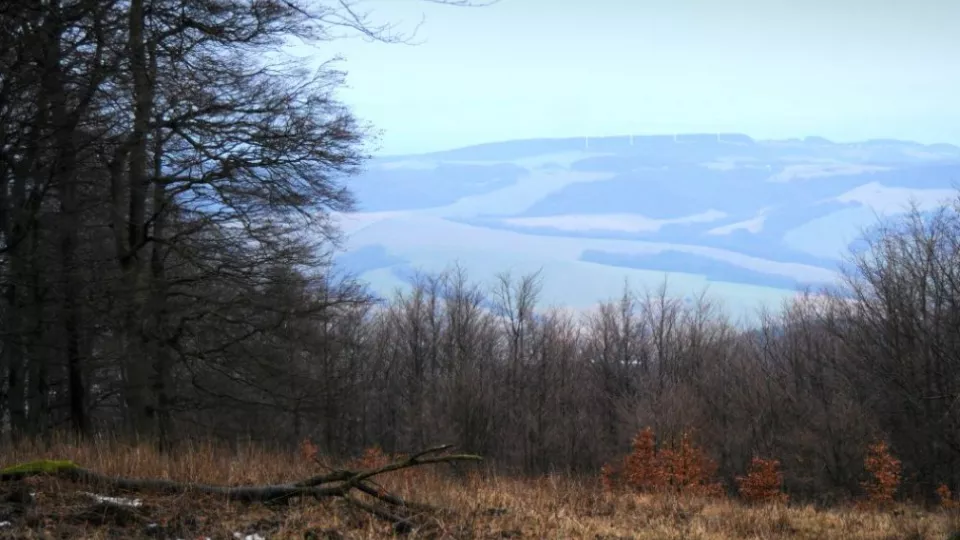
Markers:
point(752, 220)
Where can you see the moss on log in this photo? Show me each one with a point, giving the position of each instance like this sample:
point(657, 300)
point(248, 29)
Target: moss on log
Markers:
point(40, 466)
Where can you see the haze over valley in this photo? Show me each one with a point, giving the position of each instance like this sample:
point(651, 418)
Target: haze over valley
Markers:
point(751, 221)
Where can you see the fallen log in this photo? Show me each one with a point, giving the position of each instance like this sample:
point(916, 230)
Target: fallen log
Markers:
point(339, 483)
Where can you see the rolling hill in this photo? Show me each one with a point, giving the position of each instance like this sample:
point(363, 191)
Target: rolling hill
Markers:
point(751, 220)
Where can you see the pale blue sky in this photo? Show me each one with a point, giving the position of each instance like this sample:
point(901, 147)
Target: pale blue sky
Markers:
point(843, 69)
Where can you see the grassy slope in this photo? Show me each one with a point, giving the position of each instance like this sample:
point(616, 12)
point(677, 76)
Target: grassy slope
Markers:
point(552, 507)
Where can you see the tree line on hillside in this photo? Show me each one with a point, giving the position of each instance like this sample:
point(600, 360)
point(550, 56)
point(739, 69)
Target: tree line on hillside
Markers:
point(165, 273)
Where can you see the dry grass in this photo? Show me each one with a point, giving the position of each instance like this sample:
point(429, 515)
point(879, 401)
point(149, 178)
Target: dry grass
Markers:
point(493, 507)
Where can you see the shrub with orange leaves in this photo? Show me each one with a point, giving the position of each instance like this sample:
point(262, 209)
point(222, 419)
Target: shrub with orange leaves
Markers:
point(643, 467)
point(684, 468)
point(947, 501)
point(763, 482)
point(884, 470)
point(689, 469)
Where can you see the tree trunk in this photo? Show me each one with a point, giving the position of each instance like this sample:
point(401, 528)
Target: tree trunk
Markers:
point(162, 383)
point(16, 228)
point(130, 230)
point(64, 178)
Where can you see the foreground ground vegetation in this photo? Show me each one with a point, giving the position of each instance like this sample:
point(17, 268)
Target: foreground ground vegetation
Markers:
point(469, 502)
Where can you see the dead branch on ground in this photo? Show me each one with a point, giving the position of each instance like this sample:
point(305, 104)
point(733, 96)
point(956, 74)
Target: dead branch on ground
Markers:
point(339, 483)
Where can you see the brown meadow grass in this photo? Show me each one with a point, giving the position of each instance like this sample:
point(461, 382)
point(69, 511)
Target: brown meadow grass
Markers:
point(482, 505)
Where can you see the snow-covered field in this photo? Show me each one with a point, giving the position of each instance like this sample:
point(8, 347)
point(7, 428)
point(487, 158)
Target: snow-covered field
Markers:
point(775, 217)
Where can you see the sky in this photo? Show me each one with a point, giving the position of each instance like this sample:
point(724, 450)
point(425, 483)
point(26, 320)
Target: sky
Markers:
point(843, 69)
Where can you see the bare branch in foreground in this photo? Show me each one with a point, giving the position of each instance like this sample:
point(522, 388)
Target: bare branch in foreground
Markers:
point(339, 483)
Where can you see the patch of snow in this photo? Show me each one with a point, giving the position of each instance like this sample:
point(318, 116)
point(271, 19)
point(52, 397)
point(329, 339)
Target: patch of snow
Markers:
point(5, 524)
point(253, 536)
point(895, 199)
point(611, 222)
point(810, 170)
point(517, 197)
point(119, 501)
point(753, 225)
point(729, 163)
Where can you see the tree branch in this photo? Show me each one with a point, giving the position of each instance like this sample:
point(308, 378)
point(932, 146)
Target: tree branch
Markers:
point(335, 484)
